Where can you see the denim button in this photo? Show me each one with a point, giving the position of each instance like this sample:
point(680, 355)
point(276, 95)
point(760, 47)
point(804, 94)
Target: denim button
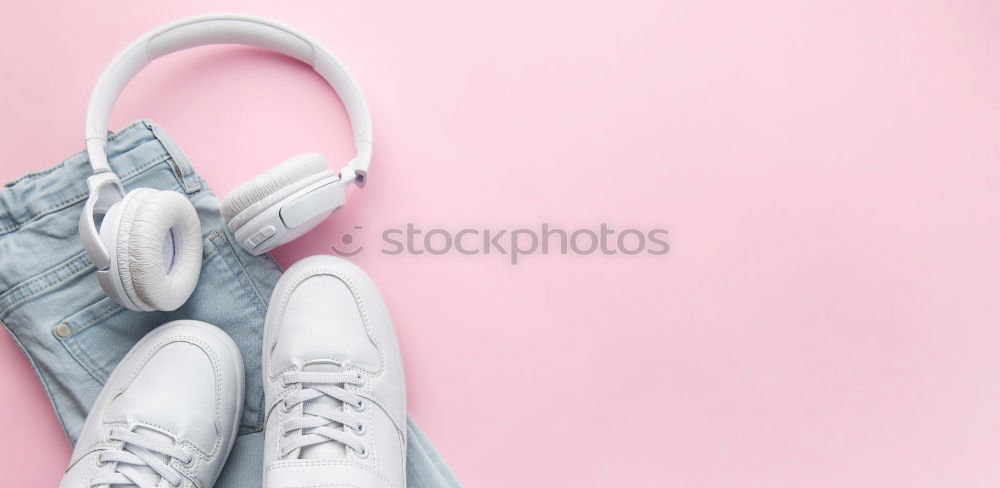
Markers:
point(63, 331)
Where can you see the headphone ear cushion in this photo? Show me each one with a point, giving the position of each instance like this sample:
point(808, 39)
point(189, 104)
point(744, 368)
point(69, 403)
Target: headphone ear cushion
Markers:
point(159, 249)
point(251, 198)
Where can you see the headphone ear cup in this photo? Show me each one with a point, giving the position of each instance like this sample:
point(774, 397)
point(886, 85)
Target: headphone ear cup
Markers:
point(158, 249)
point(253, 197)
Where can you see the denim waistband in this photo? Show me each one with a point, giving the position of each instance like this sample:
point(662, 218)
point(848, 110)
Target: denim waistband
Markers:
point(131, 151)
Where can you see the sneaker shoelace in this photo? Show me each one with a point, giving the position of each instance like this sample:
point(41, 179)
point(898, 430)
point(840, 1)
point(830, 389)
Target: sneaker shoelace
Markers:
point(316, 423)
point(141, 461)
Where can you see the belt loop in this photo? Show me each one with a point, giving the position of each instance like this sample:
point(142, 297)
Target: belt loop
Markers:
point(182, 167)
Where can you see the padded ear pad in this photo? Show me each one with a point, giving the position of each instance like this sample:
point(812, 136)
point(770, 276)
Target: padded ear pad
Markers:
point(158, 249)
point(251, 198)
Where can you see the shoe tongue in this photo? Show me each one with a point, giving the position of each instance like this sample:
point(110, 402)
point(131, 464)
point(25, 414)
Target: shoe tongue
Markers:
point(157, 436)
point(330, 449)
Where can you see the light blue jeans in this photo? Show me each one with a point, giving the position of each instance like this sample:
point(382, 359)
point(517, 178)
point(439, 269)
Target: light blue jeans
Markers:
point(74, 335)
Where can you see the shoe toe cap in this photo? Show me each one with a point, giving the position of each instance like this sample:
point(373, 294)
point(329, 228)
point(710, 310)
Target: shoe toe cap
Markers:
point(185, 380)
point(323, 309)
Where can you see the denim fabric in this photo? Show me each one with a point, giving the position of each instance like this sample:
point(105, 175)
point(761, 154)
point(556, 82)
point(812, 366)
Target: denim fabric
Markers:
point(74, 335)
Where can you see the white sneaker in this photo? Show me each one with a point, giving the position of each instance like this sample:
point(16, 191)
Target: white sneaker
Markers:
point(333, 381)
point(167, 416)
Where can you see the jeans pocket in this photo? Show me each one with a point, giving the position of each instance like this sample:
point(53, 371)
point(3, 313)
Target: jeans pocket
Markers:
point(98, 336)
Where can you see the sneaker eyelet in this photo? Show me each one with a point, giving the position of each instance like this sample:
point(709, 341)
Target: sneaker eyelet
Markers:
point(360, 429)
point(363, 453)
point(360, 406)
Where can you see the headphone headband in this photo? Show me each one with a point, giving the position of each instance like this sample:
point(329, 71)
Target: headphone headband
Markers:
point(226, 29)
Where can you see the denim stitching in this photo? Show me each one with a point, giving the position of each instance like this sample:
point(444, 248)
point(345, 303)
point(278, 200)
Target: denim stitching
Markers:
point(87, 362)
point(34, 175)
point(71, 344)
point(111, 307)
point(190, 181)
point(260, 305)
point(111, 136)
point(128, 176)
point(82, 196)
point(29, 289)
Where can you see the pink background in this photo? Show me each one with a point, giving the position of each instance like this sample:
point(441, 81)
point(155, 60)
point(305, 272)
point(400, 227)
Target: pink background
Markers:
point(827, 315)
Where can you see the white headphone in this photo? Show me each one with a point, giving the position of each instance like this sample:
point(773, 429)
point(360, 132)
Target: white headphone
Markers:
point(148, 249)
